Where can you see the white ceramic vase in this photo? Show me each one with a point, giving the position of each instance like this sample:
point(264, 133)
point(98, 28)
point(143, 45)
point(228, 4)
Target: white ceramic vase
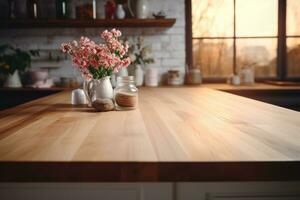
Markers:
point(13, 81)
point(120, 12)
point(98, 89)
point(139, 75)
point(142, 9)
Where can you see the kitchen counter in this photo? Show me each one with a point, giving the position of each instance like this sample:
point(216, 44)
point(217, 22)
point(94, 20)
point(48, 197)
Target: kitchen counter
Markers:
point(256, 86)
point(176, 134)
point(287, 96)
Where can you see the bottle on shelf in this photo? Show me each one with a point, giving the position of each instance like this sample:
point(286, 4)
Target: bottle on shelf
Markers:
point(32, 9)
point(12, 9)
point(110, 9)
point(94, 9)
point(62, 9)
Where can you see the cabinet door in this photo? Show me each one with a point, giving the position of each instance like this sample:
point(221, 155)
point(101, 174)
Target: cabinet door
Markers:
point(84, 191)
point(239, 191)
point(254, 197)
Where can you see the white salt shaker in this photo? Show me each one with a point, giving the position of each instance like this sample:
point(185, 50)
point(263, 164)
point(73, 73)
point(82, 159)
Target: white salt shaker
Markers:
point(236, 80)
point(78, 97)
point(151, 77)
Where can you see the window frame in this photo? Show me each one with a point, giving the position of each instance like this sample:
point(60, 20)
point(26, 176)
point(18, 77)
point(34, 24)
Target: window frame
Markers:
point(281, 74)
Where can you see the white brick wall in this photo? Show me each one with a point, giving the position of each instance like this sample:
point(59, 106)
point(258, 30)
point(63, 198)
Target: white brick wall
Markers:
point(168, 44)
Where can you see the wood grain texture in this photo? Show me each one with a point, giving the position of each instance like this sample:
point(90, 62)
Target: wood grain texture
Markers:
point(175, 134)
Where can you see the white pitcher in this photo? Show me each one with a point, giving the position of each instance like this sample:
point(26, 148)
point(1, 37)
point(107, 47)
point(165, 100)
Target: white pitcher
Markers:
point(98, 89)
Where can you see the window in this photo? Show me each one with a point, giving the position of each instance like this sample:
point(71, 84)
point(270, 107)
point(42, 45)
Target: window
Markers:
point(293, 38)
point(212, 29)
point(229, 35)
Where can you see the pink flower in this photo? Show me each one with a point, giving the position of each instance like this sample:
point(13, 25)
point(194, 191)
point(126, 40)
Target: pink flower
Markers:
point(65, 47)
point(126, 62)
point(110, 56)
point(75, 43)
point(116, 32)
point(106, 35)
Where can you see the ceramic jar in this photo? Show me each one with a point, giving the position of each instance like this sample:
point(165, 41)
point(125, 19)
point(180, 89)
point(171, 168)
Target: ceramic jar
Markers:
point(98, 89)
point(194, 76)
point(151, 77)
point(175, 77)
point(142, 9)
point(120, 13)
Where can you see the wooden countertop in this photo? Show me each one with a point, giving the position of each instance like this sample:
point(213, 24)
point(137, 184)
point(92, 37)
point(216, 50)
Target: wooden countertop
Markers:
point(256, 86)
point(218, 86)
point(176, 134)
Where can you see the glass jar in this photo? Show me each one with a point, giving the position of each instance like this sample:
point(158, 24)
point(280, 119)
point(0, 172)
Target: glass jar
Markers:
point(126, 93)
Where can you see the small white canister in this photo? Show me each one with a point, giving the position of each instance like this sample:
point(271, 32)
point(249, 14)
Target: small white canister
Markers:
point(78, 97)
point(236, 80)
point(151, 77)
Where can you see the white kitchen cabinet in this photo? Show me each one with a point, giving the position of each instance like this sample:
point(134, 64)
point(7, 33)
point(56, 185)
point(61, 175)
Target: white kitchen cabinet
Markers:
point(85, 191)
point(238, 191)
point(151, 191)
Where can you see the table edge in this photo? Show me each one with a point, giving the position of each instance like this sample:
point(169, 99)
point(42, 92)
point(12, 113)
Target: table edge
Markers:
point(19, 171)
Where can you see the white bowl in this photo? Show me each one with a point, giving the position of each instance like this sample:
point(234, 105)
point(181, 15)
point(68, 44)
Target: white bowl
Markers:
point(39, 75)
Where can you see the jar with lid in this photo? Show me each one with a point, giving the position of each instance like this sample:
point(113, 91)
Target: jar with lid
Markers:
point(126, 93)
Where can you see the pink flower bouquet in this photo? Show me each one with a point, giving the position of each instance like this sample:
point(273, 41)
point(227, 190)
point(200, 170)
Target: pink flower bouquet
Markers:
point(96, 61)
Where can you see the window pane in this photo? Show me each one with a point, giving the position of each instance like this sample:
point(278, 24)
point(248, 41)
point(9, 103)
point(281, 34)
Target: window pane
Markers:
point(212, 18)
point(213, 56)
point(256, 17)
point(293, 17)
point(258, 53)
point(293, 56)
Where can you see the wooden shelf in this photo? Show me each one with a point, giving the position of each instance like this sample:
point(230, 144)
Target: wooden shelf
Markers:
point(73, 23)
point(31, 89)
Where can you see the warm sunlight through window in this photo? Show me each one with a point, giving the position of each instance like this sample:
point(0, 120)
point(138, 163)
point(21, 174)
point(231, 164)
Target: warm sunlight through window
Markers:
point(212, 18)
point(254, 39)
point(293, 37)
point(256, 17)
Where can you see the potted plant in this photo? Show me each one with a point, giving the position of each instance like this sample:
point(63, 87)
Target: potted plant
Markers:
point(12, 61)
point(97, 62)
point(140, 56)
